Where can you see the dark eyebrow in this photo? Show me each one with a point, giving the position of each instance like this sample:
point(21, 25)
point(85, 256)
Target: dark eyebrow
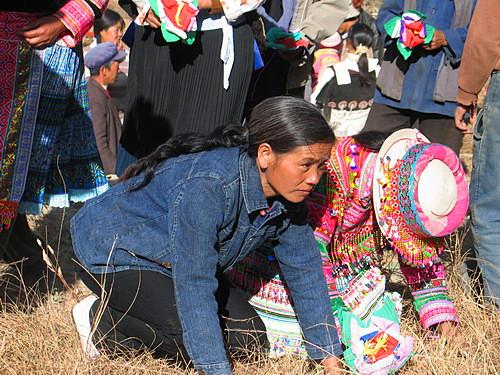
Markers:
point(313, 160)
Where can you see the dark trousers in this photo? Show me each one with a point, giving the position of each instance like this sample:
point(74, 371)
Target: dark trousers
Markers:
point(437, 128)
point(28, 278)
point(139, 312)
point(18, 242)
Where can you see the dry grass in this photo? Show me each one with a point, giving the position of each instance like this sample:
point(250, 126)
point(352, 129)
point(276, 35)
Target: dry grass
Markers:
point(42, 339)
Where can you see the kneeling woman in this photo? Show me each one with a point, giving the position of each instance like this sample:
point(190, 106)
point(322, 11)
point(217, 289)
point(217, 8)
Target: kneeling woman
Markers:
point(157, 244)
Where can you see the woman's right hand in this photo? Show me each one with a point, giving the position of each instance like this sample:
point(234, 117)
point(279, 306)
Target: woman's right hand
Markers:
point(461, 122)
point(332, 366)
point(204, 4)
point(214, 5)
point(152, 19)
point(43, 31)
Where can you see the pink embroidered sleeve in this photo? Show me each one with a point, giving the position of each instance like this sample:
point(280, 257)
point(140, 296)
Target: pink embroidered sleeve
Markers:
point(430, 294)
point(78, 17)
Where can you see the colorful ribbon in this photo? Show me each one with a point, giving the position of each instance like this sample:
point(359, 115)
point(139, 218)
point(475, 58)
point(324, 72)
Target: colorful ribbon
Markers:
point(410, 31)
point(282, 40)
point(178, 19)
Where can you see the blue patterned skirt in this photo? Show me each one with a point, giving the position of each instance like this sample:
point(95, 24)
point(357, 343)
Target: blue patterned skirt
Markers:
point(64, 163)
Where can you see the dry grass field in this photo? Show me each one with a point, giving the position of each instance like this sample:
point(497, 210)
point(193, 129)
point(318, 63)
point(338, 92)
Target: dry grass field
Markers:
point(37, 335)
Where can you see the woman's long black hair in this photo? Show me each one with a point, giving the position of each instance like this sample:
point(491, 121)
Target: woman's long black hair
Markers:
point(371, 139)
point(284, 122)
point(109, 18)
point(361, 35)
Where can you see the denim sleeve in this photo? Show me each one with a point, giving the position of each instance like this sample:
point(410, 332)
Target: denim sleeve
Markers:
point(199, 210)
point(300, 262)
point(389, 9)
point(456, 42)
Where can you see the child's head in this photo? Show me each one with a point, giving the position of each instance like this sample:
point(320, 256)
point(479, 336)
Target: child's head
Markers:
point(109, 27)
point(360, 35)
point(359, 42)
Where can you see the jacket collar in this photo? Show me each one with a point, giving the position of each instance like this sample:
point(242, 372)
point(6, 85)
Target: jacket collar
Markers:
point(91, 81)
point(251, 185)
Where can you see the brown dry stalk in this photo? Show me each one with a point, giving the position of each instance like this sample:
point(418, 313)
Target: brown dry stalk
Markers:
point(45, 341)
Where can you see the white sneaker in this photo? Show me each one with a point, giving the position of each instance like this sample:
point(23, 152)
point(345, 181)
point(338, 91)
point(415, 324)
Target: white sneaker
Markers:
point(81, 317)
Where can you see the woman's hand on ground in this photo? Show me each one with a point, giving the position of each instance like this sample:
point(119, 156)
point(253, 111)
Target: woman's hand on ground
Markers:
point(451, 332)
point(43, 31)
point(332, 366)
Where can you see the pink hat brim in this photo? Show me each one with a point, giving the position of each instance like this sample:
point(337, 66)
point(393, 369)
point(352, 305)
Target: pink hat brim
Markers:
point(414, 163)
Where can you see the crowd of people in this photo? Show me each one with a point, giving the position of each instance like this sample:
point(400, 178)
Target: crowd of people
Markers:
point(246, 166)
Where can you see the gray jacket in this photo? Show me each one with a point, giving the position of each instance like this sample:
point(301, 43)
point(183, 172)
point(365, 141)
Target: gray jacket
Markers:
point(317, 20)
point(106, 123)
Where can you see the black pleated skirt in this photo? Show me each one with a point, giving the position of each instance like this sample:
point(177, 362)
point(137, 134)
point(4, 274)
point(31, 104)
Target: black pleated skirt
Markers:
point(175, 88)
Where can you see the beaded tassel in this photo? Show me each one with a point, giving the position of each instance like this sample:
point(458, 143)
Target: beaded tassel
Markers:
point(414, 251)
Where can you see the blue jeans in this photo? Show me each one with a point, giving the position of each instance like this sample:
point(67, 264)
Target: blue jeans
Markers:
point(485, 191)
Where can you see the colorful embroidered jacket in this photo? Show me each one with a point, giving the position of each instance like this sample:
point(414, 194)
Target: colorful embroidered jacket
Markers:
point(351, 242)
point(77, 15)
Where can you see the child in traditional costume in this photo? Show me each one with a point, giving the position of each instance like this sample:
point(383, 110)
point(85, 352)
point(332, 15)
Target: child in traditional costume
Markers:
point(345, 89)
point(357, 212)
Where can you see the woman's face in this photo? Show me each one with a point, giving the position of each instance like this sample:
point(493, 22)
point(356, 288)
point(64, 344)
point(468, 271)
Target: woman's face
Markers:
point(294, 174)
point(113, 34)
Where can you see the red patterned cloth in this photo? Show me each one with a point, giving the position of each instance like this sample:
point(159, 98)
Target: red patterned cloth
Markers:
point(348, 197)
point(20, 85)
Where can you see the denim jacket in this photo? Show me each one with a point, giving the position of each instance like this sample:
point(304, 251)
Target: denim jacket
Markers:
point(200, 214)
